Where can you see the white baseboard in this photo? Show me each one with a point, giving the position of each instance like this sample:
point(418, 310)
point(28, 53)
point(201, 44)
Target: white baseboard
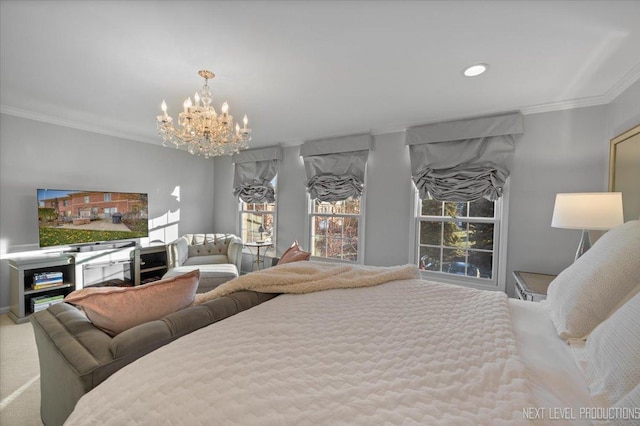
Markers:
point(4, 310)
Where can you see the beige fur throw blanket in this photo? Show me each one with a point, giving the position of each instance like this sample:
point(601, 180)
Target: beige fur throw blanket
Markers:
point(310, 276)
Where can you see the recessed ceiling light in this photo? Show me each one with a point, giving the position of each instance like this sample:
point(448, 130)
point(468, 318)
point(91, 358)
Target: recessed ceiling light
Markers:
point(475, 70)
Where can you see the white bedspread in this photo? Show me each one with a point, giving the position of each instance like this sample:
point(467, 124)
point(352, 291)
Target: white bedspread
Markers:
point(405, 352)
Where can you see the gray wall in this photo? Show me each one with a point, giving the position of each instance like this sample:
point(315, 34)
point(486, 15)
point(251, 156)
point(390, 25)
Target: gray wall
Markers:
point(389, 192)
point(39, 155)
point(561, 151)
point(225, 208)
point(624, 112)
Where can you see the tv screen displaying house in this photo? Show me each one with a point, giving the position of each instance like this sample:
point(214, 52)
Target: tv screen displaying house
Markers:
point(68, 217)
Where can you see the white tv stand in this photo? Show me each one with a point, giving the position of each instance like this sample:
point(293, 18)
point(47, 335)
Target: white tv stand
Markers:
point(101, 247)
point(97, 267)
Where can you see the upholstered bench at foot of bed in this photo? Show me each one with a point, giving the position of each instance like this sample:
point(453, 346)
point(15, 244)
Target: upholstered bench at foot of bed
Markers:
point(211, 276)
point(75, 356)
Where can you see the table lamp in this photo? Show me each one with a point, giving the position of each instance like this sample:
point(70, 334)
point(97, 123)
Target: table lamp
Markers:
point(587, 211)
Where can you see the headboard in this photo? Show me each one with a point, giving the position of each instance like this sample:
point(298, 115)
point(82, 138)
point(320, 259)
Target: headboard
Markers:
point(624, 171)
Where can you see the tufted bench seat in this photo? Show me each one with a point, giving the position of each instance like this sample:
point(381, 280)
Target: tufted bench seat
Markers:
point(76, 356)
point(217, 256)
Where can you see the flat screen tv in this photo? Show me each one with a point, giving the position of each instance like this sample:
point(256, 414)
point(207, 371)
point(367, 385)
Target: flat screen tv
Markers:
point(75, 217)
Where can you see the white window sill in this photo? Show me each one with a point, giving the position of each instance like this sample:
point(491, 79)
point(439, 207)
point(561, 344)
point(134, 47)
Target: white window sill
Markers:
point(477, 283)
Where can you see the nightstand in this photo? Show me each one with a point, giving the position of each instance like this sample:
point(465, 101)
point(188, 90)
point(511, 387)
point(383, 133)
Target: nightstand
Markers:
point(532, 286)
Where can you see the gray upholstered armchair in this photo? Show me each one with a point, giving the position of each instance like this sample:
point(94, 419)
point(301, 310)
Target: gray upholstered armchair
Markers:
point(217, 256)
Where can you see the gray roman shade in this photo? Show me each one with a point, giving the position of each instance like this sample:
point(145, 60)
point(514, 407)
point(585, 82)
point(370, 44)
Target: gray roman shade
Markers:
point(463, 160)
point(336, 167)
point(254, 171)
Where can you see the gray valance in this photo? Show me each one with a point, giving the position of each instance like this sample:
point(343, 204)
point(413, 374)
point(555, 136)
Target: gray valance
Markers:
point(336, 167)
point(254, 171)
point(463, 160)
point(261, 154)
point(350, 143)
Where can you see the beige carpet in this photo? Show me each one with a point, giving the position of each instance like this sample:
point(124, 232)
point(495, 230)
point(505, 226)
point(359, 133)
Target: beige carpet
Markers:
point(19, 375)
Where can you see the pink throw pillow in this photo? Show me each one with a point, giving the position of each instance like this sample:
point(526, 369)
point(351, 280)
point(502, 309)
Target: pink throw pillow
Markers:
point(116, 309)
point(294, 254)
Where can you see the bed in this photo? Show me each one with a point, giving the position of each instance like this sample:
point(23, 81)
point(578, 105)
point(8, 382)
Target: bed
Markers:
point(402, 351)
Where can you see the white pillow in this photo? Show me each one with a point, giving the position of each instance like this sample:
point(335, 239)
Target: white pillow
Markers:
point(612, 355)
point(631, 403)
point(585, 293)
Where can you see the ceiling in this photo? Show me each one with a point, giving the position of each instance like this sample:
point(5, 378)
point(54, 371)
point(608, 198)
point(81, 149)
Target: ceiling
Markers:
point(310, 69)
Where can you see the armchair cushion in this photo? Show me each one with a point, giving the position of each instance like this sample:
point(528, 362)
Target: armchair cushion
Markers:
point(214, 259)
point(189, 246)
point(217, 256)
point(217, 247)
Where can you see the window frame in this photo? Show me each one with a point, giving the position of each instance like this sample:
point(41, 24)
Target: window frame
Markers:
point(361, 237)
point(271, 251)
point(500, 220)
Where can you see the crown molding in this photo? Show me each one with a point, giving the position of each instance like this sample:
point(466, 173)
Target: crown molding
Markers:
point(564, 105)
point(21, 113)
point(624, 83)
point(616, 90)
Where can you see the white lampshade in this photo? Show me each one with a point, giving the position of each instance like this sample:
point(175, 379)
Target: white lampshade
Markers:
point(588, 210)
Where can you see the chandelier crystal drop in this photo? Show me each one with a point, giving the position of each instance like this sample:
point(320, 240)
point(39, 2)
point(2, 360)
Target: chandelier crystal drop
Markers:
point(201, 129)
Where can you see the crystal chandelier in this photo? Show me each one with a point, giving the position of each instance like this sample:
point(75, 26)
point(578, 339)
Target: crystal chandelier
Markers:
point(201, 129)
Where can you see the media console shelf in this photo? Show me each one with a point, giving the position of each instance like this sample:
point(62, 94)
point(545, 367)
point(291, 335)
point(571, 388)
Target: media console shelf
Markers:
point(62, 273)
point(150, 263)
point(22, 277)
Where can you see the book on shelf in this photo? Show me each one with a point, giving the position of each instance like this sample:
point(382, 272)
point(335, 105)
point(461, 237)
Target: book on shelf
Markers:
point(43, 302)
point(47, 275)
point(46, 298)
point(43, 306)
point(46, 279)
point(47, 285)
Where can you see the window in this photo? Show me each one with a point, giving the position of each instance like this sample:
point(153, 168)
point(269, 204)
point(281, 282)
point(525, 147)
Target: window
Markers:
point(256, 215)
point(109, 211)
point(336, 170)
point(86, 199)
point(107, 196)
point(459, 239)
point(335, 228)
